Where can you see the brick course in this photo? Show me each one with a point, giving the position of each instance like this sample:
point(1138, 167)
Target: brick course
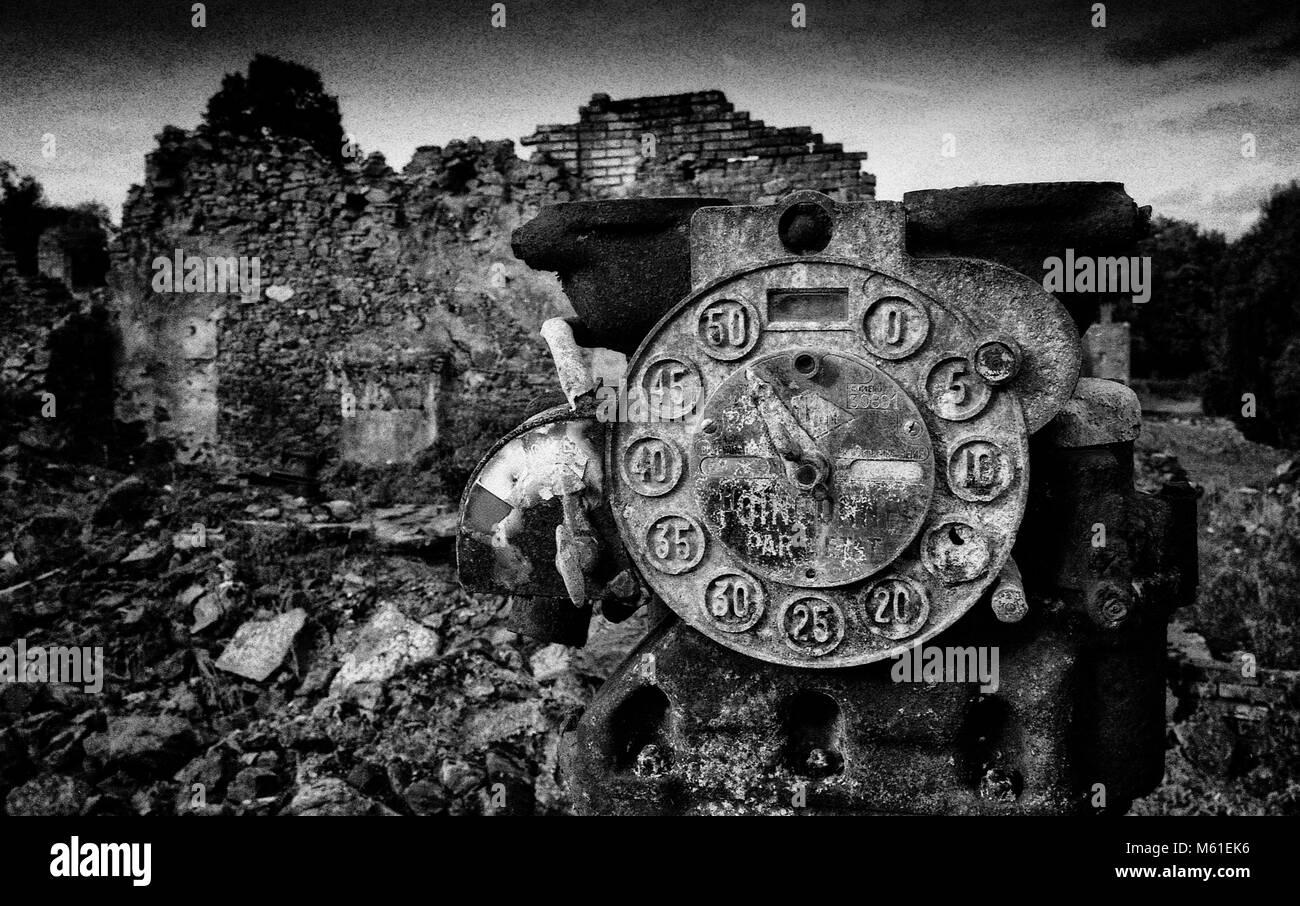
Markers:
point(697, 138)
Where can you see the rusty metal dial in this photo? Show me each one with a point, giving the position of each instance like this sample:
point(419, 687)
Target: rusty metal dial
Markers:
point(829, 467)
point(812, 468)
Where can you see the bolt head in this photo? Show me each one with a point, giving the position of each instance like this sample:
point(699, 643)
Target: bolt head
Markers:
point(1009, 605)
point(1111, 606)
point(997, 361)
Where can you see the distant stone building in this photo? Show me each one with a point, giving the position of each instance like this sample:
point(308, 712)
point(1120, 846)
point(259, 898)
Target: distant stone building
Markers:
point(1106, 347)
point(697, 144)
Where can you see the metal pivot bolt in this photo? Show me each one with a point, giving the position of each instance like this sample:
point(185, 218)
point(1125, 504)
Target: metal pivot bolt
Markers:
point(1111, 605)
point(997, 360)
point(807, 364)
point(1009, 602)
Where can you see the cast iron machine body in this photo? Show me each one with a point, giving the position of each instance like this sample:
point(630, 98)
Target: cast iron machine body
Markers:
point(819, 439)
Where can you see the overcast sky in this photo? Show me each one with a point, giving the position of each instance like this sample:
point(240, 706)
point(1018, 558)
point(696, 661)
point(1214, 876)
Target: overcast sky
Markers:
point(1158, 99)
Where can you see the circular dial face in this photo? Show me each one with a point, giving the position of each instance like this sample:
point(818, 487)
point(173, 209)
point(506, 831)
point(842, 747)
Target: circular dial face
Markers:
point(810, 469)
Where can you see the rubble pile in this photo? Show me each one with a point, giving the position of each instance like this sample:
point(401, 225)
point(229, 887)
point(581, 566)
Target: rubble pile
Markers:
point(266, 653)
point(1233, 700)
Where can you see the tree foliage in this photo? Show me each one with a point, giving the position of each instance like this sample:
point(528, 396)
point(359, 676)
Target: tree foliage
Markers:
point(1172, 331)
point(1256, 345)
point(278, 97)
point(24, 215)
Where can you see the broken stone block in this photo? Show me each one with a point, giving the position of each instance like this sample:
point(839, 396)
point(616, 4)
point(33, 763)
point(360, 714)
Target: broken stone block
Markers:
point(331, 796)
point(146, 553)
point(253, 783)
point(191, 594)
point(260, 646)
point(207, 769)
point(130, 500)
point(550, 662)
point(459, 777)
point(425, 797)
point(390, 643)
point(341, 510)
point(504, 722)
point(48, 795)
point(143, 745)
point(207, 610)
point(412, 528)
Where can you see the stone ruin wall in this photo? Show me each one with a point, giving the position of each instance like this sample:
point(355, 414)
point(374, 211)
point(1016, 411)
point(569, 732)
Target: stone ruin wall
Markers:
point(26, 329)
point(1228, 716)
point(1107, 348)
point(398, 289)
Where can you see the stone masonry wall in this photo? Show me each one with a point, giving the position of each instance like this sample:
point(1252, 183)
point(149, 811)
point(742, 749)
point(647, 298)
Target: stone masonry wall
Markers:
point(375, 286)
point(393, 324)
point(697, 144)
point(29, 308)
point(1229, 712)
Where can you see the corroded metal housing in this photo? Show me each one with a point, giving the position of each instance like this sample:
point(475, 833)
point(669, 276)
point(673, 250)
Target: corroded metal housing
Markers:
point(836, 448)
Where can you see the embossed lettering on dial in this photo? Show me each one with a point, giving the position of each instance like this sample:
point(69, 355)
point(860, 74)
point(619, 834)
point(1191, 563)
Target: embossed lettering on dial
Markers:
point(896, 608)
point(672, 389)
point(728, 328)
point(895, 327)
point(979, 471)
point(816, 475)
point(675, 543)
point(734, 602)
point(955, 391)
point(812, 625)
point(652, 466)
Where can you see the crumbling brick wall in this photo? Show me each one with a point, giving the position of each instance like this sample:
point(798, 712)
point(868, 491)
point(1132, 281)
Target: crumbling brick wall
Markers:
point(697, 144)
point(393, 298)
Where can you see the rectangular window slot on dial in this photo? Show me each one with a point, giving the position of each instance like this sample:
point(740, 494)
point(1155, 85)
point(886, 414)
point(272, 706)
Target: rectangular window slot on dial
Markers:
point(824, 308)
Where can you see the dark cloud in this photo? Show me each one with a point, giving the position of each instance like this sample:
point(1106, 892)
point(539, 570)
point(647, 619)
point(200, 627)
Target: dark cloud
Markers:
point(1281, 52)
point(1194, 26)
point(1030, 88)
point(1244, 116)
